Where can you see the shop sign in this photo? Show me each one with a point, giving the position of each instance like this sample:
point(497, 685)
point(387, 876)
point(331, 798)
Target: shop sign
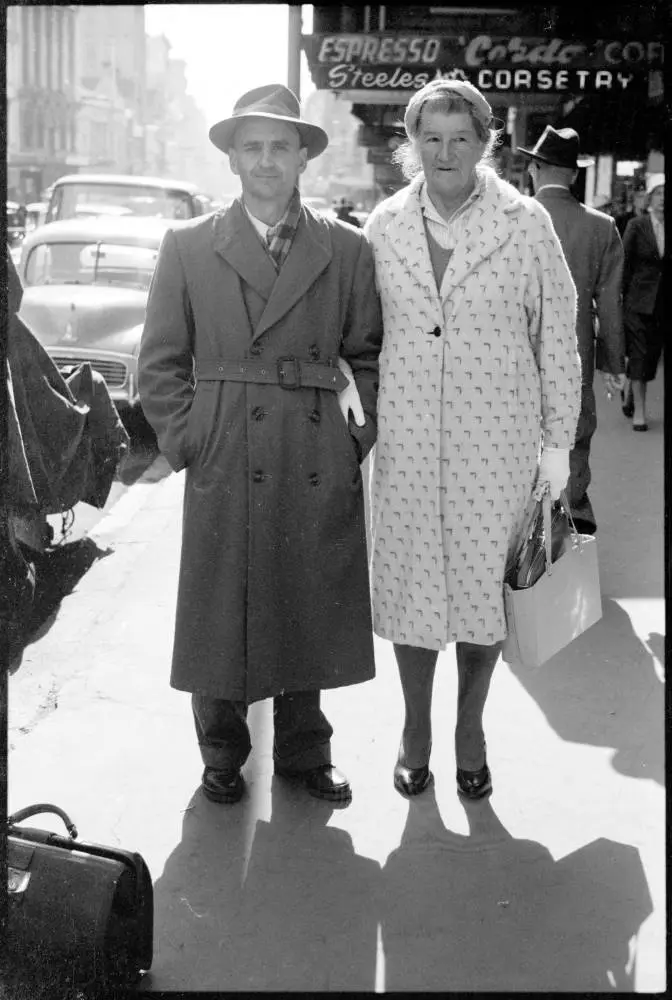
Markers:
point(407, 62)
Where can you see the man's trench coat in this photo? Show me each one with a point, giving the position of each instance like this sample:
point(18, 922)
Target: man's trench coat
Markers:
point(273, 590)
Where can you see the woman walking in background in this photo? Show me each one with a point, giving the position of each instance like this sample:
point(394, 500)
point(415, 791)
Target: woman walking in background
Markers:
point(478, 371)
point(643, 246)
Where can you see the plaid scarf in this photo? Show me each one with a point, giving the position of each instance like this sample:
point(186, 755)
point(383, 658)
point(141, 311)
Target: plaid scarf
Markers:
point(279, 237)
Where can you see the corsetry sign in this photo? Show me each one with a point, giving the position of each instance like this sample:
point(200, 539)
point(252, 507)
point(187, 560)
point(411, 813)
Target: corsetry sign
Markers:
point(389, 62)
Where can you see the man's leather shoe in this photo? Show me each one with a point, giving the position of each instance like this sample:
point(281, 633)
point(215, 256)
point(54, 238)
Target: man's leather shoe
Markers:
point(222, 786)
point(412, 780)
point(323, 782)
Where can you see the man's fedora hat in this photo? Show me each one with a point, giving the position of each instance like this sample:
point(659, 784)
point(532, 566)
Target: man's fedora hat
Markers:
point(559, 147)
point(272, 101)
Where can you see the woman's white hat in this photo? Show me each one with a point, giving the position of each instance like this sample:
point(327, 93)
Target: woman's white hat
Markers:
point(654, 181)
point(460, 88)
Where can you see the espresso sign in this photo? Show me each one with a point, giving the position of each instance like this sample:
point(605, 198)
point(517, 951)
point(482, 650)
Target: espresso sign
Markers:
point(408, 62)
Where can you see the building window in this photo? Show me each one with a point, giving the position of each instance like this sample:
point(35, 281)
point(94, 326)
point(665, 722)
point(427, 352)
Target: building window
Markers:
point(48, 24)
point(39, 130)
point(26, 127)
point(60, 54)
point(26, 23)
point(37, 46)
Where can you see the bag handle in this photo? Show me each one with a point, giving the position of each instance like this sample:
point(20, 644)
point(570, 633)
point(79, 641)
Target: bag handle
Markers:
point(43, 807)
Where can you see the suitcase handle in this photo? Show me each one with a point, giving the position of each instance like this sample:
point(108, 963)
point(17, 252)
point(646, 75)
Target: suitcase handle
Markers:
point(43, 807)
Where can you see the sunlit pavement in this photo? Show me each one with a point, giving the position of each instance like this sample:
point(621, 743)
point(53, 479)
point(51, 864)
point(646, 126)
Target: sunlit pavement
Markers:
point(555, 884)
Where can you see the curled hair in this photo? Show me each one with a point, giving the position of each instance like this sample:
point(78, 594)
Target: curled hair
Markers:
point(406, 155)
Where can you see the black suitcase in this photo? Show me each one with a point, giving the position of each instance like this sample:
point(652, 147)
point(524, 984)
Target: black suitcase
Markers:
point(80, 914)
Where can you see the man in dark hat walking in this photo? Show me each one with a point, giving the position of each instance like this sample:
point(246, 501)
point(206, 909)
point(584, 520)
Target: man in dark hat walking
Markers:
point(263, 325)
point(594, 253)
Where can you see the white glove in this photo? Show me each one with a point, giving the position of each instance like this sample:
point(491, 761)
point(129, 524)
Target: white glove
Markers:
point(554, 470)
point(613, 384)
point(348, 399)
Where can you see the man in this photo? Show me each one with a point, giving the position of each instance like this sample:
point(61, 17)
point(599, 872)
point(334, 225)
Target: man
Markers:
point(343, 209)
point(258, 301)
point(594, 253)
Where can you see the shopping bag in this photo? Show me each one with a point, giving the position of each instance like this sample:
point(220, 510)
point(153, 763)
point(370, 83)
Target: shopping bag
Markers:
point(563, 598)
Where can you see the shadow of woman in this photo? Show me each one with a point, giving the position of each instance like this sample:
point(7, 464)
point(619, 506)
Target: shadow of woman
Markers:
point(487, 912)
point(604, 690)
point(278, 905)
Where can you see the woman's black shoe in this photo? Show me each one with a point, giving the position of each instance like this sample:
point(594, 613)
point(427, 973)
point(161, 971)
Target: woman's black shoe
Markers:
point(627, 403)
point(412, 780)
point(474, 784)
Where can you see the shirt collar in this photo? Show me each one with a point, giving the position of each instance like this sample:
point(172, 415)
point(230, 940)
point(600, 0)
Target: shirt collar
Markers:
point(563, 187)
point(263, 227)
point(429, 209)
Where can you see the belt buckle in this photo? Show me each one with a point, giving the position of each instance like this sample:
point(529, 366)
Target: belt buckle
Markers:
point(284, 370)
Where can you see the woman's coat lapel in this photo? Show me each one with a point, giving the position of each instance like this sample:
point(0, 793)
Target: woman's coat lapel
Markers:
point(489, 230)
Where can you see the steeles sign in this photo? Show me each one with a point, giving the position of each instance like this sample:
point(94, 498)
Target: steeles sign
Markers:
point(383, 62)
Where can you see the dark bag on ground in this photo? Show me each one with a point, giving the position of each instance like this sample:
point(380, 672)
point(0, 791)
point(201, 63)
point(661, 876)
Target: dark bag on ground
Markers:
point(80, 914)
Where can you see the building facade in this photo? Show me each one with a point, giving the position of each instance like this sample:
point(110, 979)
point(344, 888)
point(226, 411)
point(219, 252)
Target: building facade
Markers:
point(89, 90)
point(597, 69)
point(41, 97)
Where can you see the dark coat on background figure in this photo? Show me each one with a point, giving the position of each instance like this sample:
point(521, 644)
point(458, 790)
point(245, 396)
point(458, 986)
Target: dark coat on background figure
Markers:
point(643, 266)
point(594, 253)
point(273, 590)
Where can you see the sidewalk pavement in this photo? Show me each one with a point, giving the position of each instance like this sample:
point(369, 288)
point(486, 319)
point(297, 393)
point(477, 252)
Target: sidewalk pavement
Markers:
point(554, 884)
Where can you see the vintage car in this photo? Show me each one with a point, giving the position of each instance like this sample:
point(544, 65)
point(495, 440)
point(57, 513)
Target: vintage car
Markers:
point(77, 195)
point(85, 294)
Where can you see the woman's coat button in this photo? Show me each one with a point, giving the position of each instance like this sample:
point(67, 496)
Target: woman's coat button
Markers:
point(315, 416)
point(258, 476)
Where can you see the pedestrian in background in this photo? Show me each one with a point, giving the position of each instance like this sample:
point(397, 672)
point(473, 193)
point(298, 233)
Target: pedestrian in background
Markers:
point(638, 207)
point(594, 253)
point(644, 246)
point(344, 210)
point(479, 371)
point(250, 312)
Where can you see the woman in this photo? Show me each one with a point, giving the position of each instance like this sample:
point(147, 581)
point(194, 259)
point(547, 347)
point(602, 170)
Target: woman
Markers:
point(643, 246)
point(479, 367)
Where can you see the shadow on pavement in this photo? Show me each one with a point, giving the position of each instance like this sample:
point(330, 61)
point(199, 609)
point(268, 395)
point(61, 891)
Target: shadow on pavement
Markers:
point(299, 915)
point(487, 912)
point(57, 572)
point(603, 690)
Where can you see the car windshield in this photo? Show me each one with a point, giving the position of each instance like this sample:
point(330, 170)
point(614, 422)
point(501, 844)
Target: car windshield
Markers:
point(72, 201)
point(90, 264)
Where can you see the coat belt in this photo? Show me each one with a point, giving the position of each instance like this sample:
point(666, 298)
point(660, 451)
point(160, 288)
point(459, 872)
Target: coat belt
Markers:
point(289, 373)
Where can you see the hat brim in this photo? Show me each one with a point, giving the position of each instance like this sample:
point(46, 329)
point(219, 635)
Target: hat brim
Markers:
point(581, 161)
point(314, 138)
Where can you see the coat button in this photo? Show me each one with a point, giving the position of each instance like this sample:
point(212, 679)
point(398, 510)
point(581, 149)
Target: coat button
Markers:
point(314, 479)
point(258, 476)
point(315, 416)
point(258, 412)
point(314, 352)
point(256, 350)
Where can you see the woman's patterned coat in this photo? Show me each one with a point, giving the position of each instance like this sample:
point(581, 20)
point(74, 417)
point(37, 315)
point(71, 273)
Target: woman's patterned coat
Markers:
point(472, 379)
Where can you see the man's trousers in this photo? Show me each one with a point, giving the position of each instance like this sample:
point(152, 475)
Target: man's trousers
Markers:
point(579, 467)
point(302, 732)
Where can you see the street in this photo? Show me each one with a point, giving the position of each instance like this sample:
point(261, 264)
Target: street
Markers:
point(556, 883)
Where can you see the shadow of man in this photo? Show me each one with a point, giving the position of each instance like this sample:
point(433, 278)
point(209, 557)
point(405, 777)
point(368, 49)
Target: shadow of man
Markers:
point(487, 912)
point(604, 690)
point(278, 905)
point(308, 918)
